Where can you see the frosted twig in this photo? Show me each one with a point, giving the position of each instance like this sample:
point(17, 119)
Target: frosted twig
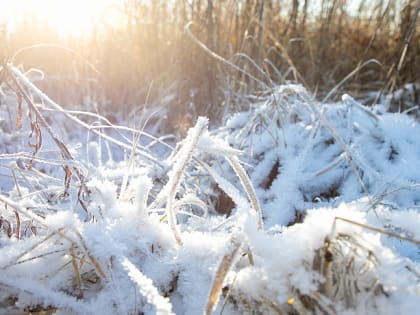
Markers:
point(349, 76)
point(147, 289)
point(249, 189)
point(182, 159)
point(226, 186)
point(375, 229)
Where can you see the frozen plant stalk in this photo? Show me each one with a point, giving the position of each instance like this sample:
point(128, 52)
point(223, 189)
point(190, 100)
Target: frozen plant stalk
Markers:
point(182, 159)
point(246, 183)
point(147, 289)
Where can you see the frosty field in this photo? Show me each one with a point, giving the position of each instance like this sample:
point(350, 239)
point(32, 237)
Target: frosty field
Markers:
point(292, 207)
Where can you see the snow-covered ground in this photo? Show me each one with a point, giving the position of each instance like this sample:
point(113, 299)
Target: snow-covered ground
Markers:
point(103, 219)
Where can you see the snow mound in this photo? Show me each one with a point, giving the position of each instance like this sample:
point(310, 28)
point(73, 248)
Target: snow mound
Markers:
point(304, 154)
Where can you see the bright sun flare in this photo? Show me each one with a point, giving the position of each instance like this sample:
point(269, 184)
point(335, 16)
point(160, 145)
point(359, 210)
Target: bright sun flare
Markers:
point(67, 17)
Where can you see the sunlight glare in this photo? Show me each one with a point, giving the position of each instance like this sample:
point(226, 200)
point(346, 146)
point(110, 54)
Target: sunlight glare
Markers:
point(66, 17)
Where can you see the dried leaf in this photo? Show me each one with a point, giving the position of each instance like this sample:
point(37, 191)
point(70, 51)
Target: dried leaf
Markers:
point(67, 179)
point(17, 225)
point(38, 143)
point(38, 136)
point(9, 229)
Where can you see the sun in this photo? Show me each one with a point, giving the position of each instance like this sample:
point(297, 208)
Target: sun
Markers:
point(66, 17)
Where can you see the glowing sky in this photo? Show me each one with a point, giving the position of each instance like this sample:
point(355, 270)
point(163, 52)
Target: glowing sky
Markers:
point(67, 17)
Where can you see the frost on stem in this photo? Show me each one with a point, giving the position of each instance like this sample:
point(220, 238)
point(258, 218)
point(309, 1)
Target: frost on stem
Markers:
point(246, 183)
point(216, 146)
point(182, 159)
point(143, 189)
point(147, 289)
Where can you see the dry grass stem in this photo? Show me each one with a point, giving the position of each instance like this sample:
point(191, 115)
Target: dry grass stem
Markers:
point(221, 273)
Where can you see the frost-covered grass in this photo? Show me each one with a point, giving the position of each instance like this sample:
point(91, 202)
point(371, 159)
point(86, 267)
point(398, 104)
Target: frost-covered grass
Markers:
point(98, 218)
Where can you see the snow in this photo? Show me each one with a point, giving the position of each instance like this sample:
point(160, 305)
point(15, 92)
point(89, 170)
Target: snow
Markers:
point(337, 186)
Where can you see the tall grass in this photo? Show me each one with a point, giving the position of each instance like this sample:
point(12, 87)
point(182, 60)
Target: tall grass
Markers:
point(315, 42)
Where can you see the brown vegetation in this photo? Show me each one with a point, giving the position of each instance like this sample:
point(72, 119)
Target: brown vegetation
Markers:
point(314, 42)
